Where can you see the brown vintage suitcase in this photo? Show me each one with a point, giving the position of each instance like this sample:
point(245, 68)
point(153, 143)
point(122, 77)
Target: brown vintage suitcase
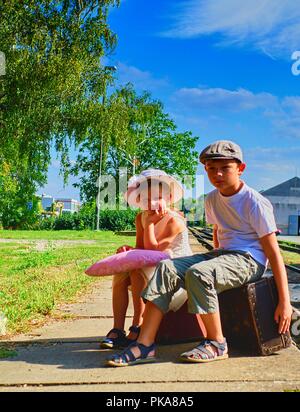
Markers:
point(180, 326)
point(247, 315)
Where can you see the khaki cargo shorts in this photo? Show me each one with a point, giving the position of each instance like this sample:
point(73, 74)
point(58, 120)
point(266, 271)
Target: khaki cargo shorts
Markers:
point(203, 276)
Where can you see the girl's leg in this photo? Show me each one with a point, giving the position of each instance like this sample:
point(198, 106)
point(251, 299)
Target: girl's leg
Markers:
point(138, 284)
point(167, 279)
point(145, 342)
point(119, 301)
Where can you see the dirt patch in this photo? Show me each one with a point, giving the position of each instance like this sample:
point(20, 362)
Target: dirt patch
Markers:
point(42, 245)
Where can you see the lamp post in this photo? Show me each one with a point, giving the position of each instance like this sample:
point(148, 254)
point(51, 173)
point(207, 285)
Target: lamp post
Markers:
point(133, 160)
point(112, 69)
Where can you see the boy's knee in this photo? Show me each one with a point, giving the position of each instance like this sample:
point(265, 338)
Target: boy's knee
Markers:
point(195, 278)
point(190, 277)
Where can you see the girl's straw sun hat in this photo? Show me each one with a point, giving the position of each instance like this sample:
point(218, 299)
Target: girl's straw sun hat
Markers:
point(138, 185)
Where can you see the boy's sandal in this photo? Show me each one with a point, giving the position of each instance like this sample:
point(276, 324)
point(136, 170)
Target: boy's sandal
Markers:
point(117, 342)
point(205, 353)
point(127, 357)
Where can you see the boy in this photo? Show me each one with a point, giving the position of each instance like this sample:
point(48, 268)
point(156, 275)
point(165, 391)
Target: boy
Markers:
point(244, 236)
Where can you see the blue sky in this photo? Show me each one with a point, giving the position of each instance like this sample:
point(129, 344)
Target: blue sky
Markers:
point(222, 69)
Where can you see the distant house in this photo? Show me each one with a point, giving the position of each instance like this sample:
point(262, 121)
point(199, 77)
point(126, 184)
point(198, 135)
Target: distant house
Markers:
point(47, 202)
point(69, 205)
point(285, 199)
point(51, 206)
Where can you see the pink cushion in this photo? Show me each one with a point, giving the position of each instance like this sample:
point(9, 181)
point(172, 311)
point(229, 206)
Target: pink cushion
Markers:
point(126, 261)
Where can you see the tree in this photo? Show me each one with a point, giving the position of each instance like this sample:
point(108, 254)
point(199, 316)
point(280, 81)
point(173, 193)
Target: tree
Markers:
point(140, 136)
point(53, 83)
point(112, 127)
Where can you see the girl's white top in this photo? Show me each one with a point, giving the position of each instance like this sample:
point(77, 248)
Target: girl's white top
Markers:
point(180, 245)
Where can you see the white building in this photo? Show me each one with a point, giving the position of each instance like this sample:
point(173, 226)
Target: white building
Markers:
point(47, 202)
point(70, 205)
point(285, 199)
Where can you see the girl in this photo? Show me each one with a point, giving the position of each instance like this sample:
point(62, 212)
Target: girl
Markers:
point(158, 227)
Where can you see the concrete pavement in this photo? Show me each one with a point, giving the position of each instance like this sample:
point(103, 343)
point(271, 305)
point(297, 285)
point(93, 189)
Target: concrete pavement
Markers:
point(65, 356)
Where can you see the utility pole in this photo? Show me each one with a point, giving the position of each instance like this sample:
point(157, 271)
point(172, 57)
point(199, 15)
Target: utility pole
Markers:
point(106, 68)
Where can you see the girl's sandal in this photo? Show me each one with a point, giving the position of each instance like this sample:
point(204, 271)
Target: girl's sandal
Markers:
point(204, 352)
point(117, 342)
point(133, 329)
point(127, 357)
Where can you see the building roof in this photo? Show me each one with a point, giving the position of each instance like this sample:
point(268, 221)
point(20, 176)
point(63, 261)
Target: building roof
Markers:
point(289, 188)
point(60, 199)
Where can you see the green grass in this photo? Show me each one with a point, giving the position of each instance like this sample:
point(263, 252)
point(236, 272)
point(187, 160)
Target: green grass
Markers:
point(291, 258)
point(33, 282)
point(7, 353)
point(58, 235)
point(289, 243)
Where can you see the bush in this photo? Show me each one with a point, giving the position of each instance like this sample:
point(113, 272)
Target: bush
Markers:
point(114, 220)
point(117, 219)
point(88, 215)
point(67, 221)
point(45, 223)
point(18, 217)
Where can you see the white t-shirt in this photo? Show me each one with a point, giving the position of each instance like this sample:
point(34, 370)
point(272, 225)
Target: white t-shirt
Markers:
point(242, 219)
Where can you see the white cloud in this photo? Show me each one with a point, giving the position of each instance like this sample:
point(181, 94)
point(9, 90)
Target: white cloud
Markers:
point(272, 26)
point(283, 114)
point(272, 157)
point(286, 120)
point(293, 104)
point(269, 166)
point(274, 152)
point(56, 163)
point(224, 99)
point(143, 80)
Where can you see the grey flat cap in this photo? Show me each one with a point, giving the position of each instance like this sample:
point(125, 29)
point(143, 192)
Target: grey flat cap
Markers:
point(222, 149)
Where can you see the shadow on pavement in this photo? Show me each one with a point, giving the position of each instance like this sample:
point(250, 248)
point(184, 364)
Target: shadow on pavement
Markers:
point(85, 353)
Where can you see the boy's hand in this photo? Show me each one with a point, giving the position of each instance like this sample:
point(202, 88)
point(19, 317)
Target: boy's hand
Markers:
point(124, 248)
point(283, 315)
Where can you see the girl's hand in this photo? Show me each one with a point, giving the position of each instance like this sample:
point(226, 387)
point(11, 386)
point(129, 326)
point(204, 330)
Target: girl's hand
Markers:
point(154, 216)
point(124, 248)
point(159, 211)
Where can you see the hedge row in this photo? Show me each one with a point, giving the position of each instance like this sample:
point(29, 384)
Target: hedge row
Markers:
point(114, 220)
